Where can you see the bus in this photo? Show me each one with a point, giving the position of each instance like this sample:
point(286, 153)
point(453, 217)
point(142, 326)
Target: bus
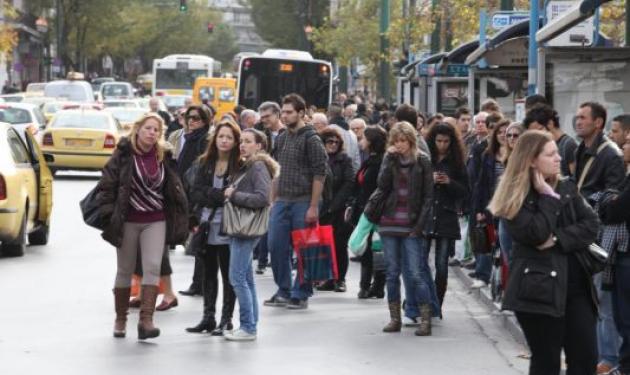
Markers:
point(176, 74)
point(275, 73)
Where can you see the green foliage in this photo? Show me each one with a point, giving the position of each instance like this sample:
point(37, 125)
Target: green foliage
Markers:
point(8, 36)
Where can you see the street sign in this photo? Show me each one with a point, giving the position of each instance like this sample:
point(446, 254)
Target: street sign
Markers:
point(501, 20)
point(457, 70)
point(579, 35)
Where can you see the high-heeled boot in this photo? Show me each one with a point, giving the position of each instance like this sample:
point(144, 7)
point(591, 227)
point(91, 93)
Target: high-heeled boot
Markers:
point(121, 306)
point(229, 300)
point(208, 322)
point(148, 296)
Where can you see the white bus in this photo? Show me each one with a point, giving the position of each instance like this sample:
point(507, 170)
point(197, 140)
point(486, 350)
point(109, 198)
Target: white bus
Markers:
point(276, 73)
point(176, 74)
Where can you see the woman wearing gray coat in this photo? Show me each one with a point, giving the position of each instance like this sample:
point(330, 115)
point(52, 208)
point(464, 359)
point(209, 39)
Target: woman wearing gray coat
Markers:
point(252, 189)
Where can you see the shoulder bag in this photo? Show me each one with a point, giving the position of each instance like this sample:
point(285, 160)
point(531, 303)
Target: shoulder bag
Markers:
point(244, 222)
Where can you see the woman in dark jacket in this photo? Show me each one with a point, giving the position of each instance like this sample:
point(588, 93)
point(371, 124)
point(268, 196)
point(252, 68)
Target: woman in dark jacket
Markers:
point(405, 185)
point(332, 211)
point(215, 167)
point(252, 190)
point(491, 168)
point(449, 192)
point(373, 143)
point(143, 204)
point(550, 287)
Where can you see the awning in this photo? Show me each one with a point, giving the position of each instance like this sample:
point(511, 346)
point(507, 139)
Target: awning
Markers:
point(513, 31)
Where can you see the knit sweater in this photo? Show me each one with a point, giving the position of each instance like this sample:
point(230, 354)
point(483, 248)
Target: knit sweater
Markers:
point(146, 202)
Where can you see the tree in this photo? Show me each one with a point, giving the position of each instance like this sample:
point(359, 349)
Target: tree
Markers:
point(282, 23)
point(8, 36)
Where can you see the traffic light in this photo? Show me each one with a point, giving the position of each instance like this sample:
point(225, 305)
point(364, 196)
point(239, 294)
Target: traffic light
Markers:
point(183, 5)
point(210, 27)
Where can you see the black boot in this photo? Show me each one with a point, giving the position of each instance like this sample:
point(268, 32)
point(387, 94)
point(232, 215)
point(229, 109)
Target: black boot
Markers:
point(210, 290)
point(224, 326)
point(195, 289)
point(377, 290)
point(229, 300)
point(440, 288)
point(208, 324)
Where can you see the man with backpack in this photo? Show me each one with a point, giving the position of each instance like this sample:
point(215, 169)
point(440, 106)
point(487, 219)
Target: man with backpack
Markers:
point(296, 197)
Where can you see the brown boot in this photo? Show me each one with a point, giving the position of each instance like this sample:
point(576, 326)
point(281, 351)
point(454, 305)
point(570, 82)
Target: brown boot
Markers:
point(425, 321)
point(148, 296)
point(395, 322)
point(121, 305)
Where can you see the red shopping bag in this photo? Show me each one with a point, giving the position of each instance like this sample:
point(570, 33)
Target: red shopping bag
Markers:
point(315, 251)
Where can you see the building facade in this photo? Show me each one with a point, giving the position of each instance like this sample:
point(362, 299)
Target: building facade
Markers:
point(237, 14)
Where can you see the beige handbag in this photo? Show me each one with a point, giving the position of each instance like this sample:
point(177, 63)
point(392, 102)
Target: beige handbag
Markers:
point(244, 222)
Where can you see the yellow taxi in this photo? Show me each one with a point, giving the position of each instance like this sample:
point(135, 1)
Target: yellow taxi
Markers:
point(126, 116)
point(50, 108)
point(81, 139)
point(220, 92)
point(25, 192)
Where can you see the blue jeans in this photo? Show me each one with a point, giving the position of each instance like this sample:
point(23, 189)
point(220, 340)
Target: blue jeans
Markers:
point(621, 308)
point(404, 255)
point(505, 241)
point(443, 248)
point(483, 267)
point(286, 217)
point(242, 280)
point(607, 336)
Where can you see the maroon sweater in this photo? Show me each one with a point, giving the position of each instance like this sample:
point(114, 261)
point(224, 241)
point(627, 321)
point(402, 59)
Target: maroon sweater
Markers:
point(146, 202)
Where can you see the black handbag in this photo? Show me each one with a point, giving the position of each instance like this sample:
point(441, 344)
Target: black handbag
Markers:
point(199, 239)
point(375, 206)
point(90, 210)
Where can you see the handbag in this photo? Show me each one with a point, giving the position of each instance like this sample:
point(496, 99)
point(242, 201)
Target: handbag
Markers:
point(482, 237)
point(244, 222)
point(375, 206)
point(199, 238)
point(359, 238)
point(90, 210)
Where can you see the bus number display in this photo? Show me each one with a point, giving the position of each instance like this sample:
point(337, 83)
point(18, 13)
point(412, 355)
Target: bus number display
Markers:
point(287, 68)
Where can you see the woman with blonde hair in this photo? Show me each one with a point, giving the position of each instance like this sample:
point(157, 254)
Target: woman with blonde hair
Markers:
point(143, 204)
point(550, 287)
point(405, 188)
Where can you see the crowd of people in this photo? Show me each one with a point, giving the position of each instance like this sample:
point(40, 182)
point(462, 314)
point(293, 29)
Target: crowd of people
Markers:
point(526, 193)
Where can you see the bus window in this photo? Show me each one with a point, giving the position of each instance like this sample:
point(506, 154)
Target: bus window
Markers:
point(206, 93)
point(226, 94)
point(177, 78)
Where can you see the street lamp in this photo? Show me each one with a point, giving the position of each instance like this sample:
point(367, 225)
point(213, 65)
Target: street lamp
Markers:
point(41, 24)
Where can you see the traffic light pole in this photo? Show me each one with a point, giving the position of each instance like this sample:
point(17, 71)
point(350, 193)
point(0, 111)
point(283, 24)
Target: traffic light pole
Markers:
point(384, 64)
point(532, 69)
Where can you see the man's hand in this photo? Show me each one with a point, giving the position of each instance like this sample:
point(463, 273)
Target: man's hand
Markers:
point(312, 215)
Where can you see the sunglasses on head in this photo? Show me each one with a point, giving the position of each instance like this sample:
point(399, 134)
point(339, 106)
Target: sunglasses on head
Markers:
point(193, 118)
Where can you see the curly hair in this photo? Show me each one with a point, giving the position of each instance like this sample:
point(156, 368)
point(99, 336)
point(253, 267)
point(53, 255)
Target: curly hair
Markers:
point(456, 154)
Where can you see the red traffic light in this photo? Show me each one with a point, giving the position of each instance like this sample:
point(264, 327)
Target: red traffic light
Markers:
point(210, 27)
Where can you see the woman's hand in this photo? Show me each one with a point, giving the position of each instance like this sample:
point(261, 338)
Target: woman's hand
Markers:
point(392, 150)
point(228, 192)
point(547, 244)
point(541, 186)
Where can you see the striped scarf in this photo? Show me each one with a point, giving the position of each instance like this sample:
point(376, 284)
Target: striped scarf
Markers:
point(146, 190)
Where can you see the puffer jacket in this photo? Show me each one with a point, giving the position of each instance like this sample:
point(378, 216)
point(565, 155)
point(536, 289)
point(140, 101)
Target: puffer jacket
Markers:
point(420, 188)
point(115, 189)
point(538, 281)
point(253, 190)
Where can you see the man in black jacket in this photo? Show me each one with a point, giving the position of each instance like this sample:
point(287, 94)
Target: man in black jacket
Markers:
point(599, 166)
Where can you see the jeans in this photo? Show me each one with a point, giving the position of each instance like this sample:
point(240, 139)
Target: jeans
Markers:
point(575, 333)
point(404, 255)
point(607, 337)
point(443, 247)
point(621, 308)
point(262, 252)
point(242, 280)
point(483, 267)
point(505, 241)
point(286, 217)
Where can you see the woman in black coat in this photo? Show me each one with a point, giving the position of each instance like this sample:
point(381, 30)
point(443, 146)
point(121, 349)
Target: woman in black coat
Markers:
point(449, 192)
point(373, 143)
point(550, 287)
point(332, 212)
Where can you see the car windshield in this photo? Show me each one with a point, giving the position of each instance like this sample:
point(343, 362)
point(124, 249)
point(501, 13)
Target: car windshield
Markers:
point(174, 101)
point(127, 116)
point(115, 90)
point(67, 91)
point(120, 104)
point(35, 87)
point(52, 107)
point(15, 115)
point(81, 121)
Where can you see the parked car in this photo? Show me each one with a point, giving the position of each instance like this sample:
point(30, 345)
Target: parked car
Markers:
point(116, 90)
point(97, 82)
point(81, 139)
point(23, 116)
point(25, 192)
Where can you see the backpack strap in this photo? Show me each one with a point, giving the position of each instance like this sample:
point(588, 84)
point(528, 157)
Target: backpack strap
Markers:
point(589, 162)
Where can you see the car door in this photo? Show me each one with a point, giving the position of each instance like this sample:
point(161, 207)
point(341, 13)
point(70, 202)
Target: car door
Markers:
point(44, 179)
point(26, 174)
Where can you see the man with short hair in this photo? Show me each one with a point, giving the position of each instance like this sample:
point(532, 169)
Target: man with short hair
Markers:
point(154, 106)
point(599, 167)
point(464, 117)
point(358, 126)
point(334, 114)
point(296, 197)
point(619, 129)
point(249, 118)
point(319, 121)
point(349, 112)
point(273, 126)
point(534, 100)
point(543, 117)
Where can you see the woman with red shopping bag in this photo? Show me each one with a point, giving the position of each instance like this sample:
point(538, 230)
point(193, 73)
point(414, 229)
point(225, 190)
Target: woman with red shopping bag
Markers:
point(404, 193)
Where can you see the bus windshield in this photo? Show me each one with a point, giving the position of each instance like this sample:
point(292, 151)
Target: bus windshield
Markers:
point(261, 80)
point(177, 79)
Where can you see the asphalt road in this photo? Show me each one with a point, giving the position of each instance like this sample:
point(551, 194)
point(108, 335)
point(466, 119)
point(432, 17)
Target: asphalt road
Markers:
point(56, 316)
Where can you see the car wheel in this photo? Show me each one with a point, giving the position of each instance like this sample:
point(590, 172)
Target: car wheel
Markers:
point(39, 236)
point(16, 247)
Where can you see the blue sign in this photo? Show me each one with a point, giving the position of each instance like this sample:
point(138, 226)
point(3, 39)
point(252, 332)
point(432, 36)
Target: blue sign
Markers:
point(457, 70)
point(504, 19)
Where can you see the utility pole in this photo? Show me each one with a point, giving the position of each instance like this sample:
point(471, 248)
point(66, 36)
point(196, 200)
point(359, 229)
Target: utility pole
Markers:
point(627, 23)
point(59, 32)
point(385, 68)
point(532, 58)
point(435, 35)
point(507, 4)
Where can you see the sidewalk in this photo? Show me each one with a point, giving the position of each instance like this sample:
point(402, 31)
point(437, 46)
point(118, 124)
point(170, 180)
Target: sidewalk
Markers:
point(508, 320)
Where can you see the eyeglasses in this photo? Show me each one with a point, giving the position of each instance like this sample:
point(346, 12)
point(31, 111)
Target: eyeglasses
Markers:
point(332, 142)
point(193, 118)
point(512, 135)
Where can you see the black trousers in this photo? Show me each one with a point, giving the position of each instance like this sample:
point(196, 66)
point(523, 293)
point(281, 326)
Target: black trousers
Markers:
point(575, 333)
point(341, 232)
point(215, 258)
point(367, 271)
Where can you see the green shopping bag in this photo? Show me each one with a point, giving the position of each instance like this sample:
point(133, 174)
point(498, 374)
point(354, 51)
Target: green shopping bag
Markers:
point(359, 238)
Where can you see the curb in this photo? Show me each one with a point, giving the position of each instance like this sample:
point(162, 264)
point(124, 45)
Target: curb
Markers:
point(507, 318)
